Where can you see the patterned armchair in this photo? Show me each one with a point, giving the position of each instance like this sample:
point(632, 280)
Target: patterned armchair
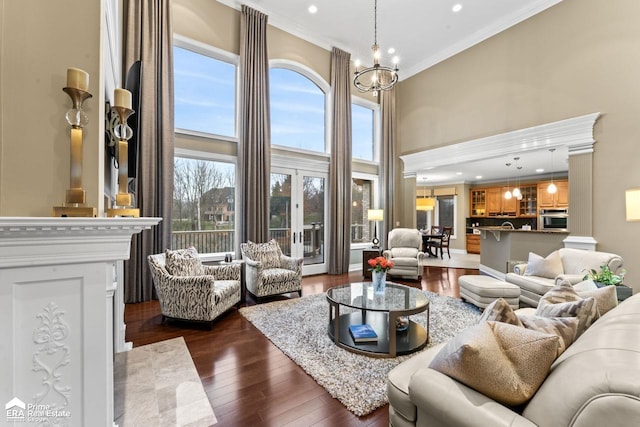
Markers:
point(189, 290)
point(268, 271)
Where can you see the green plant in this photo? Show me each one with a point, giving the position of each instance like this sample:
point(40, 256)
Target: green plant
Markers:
point(605, 276)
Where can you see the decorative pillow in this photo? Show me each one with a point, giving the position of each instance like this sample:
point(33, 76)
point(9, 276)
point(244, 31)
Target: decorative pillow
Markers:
point(606, 298)
point(564, 327)
point(548, 267)
point(500, 311)
point(183, 262)
point(505, 362)
point(570, 304)
point(585, 285)
point(266, 253)
point(562, 292)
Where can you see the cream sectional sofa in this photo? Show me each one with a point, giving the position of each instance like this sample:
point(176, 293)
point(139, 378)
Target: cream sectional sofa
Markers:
point(575, 264)
point(594, 383)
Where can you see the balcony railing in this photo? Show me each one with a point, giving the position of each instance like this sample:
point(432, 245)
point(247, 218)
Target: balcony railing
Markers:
point(221, 241)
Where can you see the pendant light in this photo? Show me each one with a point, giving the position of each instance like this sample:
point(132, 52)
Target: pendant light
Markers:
point(507, 194)
point(551, 189)
point(516, 191)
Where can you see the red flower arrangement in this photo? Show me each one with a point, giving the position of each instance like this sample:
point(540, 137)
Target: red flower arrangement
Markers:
point(380, 264)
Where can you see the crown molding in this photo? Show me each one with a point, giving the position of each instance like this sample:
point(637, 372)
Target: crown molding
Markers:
point(576, 134)
point(281, 22)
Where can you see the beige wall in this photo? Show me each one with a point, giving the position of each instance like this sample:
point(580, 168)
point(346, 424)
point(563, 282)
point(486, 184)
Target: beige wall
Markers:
point(577, 57)
point(39, 40)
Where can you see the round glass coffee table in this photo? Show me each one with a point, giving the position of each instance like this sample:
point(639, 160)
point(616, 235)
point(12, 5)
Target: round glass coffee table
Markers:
point(381, 312)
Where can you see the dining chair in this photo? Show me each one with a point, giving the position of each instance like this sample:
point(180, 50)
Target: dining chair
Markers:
point(443, 242)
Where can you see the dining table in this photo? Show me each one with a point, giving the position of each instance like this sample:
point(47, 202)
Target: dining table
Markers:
point(427, 246)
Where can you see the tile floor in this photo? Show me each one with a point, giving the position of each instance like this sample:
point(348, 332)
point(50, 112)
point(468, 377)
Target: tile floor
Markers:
point(158, 385)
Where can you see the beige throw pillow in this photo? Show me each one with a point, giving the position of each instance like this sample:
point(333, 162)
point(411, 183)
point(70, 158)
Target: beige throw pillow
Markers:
point(183, 262)
point(504, 362)
point(548, 267)
point(564, 327)
point(500, 311)
point(563, 301)
point(606, 298)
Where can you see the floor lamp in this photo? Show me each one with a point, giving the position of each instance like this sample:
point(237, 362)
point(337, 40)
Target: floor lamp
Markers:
point(375, 215)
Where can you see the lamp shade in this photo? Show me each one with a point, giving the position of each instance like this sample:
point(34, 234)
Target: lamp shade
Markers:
point(375, 214)
point(425, 203)
point(633, 204)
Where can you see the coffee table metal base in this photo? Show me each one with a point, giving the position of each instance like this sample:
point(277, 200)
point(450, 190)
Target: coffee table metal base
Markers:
point(409, 341)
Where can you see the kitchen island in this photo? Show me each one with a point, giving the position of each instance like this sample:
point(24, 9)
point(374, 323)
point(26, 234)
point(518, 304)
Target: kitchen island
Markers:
point(502, 247)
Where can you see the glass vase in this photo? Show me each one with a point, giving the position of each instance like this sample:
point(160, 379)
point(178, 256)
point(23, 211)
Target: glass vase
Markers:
point(379, 279)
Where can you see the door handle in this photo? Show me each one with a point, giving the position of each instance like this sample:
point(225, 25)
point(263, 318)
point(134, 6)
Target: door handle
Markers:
point(294, 238)
point(301, 237)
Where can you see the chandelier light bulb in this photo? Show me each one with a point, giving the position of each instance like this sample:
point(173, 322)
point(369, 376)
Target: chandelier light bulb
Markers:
point(395, 60)
point(507, 195)
point(551, 189)
point(357, 63)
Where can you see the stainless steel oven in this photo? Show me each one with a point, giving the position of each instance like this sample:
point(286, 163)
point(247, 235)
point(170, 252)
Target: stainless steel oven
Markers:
point(553, 219)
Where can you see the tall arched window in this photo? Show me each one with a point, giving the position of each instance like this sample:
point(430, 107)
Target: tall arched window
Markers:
point(298, 111)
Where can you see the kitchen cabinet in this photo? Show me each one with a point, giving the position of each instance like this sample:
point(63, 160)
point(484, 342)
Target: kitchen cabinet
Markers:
point(528, 206)
point(559, 199)
point(494, 201)
point(473, 243)
point(509, 206)
point(497, 205)
point(478, 203)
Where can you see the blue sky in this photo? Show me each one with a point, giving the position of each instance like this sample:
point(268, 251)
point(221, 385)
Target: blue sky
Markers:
point(205, 102)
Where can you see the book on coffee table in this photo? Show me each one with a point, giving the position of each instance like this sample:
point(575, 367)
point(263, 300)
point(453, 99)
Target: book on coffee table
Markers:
point(363, 333)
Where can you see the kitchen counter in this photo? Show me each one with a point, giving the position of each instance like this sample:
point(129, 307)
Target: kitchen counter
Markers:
point(500, 246)
point(496, 230)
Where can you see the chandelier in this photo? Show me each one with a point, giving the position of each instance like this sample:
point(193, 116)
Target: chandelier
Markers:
point(377, 77)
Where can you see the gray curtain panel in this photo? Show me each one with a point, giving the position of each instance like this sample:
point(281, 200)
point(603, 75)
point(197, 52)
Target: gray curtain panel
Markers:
point(254, 150)
point(340, 165)
point(387, 162)
point(148, 36)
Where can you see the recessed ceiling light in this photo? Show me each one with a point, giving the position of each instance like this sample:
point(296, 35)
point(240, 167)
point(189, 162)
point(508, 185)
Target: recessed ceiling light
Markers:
point(391, 51)
point(539, 170)
point(457, 7)
point(478, 176)
point(313, 9)
point(458, 173)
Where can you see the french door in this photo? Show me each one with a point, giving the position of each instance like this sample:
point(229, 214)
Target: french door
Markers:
point(298, 216)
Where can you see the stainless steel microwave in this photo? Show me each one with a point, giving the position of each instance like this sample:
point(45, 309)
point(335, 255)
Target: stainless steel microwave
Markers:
point(553, 219)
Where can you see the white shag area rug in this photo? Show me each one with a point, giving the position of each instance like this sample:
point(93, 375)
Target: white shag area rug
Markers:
point(298, 327)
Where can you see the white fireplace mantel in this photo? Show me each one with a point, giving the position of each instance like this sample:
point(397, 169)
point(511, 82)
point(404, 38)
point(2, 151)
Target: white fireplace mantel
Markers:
point(57, 290)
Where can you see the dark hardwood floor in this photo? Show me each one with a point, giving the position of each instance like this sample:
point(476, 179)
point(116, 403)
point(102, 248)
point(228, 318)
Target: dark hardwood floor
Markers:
point(248, 380)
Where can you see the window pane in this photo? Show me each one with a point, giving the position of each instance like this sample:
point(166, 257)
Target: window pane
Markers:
point(203, 205)
point(297, 111)
point(362, 132)
point(205, 93)
point(446, 212)
point(362, 198)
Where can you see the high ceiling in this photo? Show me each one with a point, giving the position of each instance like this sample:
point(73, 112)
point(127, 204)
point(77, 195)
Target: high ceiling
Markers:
point(423, 33)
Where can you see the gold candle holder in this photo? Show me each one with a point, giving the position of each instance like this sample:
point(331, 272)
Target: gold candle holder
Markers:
point(124, 199)
point(76, 195)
